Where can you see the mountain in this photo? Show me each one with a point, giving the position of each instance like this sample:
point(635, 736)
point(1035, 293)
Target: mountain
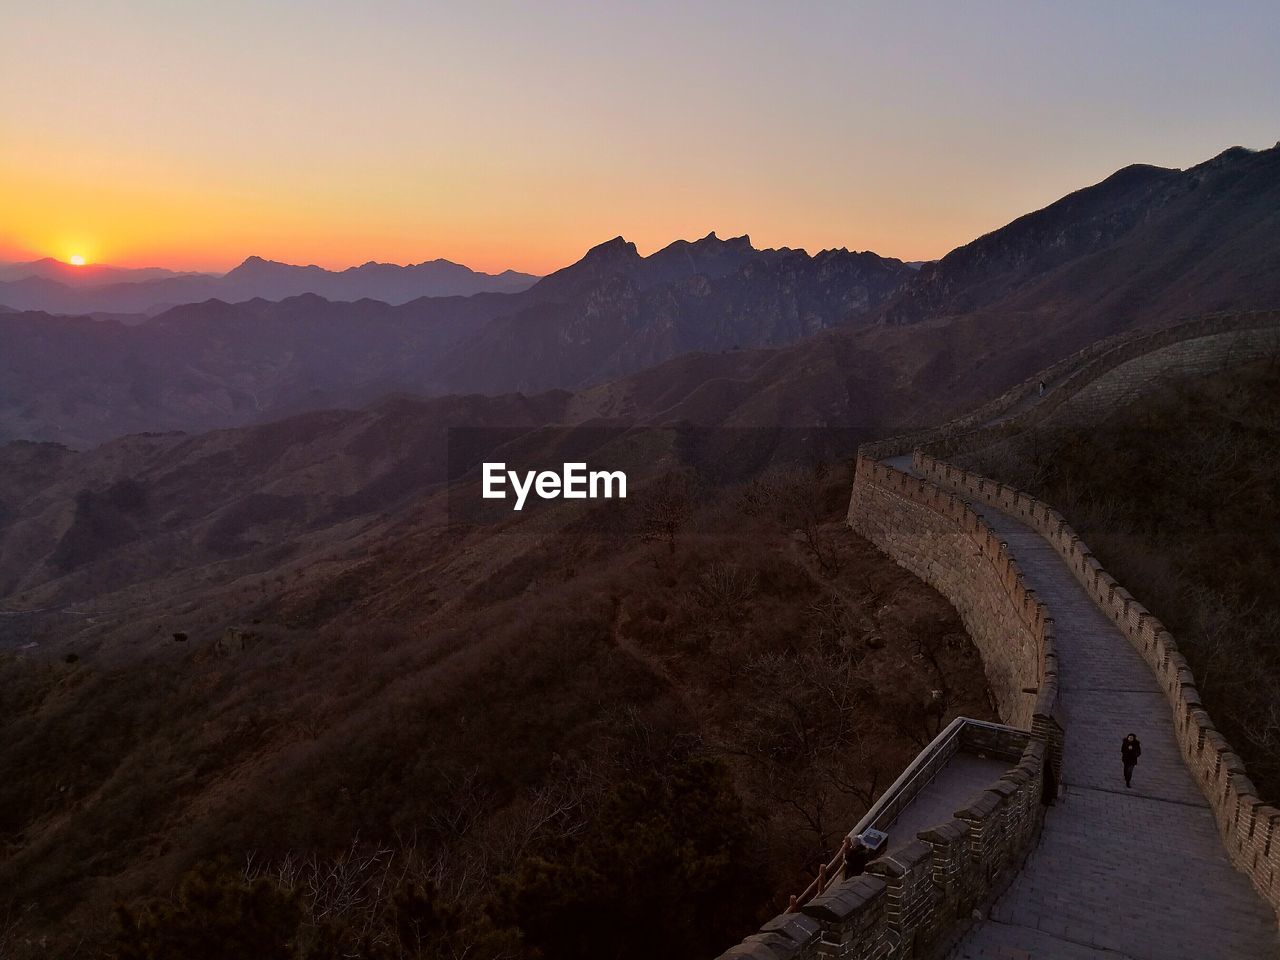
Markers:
point(89, 275)
point(1147, 240)
point(1145, 246)
point(213, 364)
point(54, 287)
point(615, 312)
point(375, 281)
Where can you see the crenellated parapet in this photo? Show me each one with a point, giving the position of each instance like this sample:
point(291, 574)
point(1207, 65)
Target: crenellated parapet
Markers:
point(940, 538)
point(910, 902)
point(927, 515)
point(1249, 826)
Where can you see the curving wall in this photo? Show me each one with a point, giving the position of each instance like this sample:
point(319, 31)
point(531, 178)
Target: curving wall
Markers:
point(1248, 825)
point(943, 541)
point(910, 903)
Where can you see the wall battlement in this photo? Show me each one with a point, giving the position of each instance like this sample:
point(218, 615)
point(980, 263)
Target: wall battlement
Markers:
point(910, 904)
point(1248, 825)
point(910, 901)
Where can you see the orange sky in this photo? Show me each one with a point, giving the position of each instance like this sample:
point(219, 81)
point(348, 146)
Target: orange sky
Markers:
point(515, 135)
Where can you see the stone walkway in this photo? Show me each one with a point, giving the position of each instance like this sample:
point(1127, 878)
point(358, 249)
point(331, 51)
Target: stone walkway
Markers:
point(1120, 874)
point(964, 777)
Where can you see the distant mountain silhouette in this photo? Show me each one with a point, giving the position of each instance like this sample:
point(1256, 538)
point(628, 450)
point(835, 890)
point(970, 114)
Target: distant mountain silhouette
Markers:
point(214, 364)
point(615, 312)
point(710, 330)
point(55, 287)
point(375, 281)
point(89, 275)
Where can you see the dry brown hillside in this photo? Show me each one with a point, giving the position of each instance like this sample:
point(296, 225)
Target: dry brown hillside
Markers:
point(479, 717)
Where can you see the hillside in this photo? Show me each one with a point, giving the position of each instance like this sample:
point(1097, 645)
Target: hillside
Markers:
point(1146, 244)
point(487, 712)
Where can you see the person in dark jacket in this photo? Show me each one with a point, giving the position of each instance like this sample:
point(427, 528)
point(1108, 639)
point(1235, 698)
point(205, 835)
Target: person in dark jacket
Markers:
point(1130, 751)
point(856, 858)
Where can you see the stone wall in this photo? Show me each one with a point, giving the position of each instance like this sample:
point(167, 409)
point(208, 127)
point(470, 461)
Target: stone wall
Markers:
point(1080, 382)
point(943, 541)
point(1250, 828)
point(1208, 345)
point(910, 902)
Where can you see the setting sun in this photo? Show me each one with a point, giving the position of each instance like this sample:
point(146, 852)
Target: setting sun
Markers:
point(76, 260)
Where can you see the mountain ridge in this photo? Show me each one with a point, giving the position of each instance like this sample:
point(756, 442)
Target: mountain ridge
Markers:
point(63, 288)
point(217, 364)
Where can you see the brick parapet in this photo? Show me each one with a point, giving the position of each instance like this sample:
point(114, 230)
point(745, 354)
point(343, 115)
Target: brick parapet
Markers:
point(906, 907)
point(910, 902)
point(1246, 823)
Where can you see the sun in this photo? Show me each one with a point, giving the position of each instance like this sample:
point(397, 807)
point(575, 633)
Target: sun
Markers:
point(76, 260)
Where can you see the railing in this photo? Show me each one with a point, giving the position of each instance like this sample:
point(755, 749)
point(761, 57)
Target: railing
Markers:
point(922, 771)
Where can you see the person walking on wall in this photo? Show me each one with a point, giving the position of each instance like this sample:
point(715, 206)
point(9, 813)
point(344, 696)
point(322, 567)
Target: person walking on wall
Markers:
point(1130, 751)
point(1042, 388)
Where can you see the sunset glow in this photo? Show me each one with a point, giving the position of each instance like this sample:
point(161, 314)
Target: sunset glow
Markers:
point(207, 133)
point(76, 260)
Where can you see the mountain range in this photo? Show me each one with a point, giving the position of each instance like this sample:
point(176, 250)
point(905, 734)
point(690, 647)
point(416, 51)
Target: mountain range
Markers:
point(214, 364)
point(982, 318)
point(1143, 246)
point(247, 617)
point(55, 287)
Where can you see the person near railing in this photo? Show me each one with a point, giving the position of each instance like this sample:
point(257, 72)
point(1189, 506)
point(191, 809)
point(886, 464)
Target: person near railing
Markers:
point(856, 857)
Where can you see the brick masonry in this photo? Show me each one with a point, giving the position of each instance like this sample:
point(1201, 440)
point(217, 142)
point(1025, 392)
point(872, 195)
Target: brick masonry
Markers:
point(1247, 824)
point(910, 905)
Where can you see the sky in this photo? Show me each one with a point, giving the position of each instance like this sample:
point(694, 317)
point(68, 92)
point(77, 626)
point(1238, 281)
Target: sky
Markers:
point(516, 135)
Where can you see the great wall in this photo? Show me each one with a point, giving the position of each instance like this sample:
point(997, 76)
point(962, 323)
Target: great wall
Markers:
point(1183, 866)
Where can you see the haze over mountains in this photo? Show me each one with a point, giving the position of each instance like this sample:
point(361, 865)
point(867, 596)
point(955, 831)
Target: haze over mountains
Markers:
point(642, 341)
point(213, 364)
point(1145, 245)
point(57, 287)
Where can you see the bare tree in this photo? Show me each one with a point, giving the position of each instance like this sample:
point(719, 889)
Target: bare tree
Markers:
point(792, 496)
point(667, 507)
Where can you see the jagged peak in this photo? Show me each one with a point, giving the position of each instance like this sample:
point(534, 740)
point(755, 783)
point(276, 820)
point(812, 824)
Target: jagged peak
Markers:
point(612, 249)
point(710, 241)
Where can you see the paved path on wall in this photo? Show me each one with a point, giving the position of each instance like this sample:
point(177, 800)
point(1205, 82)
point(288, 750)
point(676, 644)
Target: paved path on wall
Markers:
point(1119, 873)
point(964, 777)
